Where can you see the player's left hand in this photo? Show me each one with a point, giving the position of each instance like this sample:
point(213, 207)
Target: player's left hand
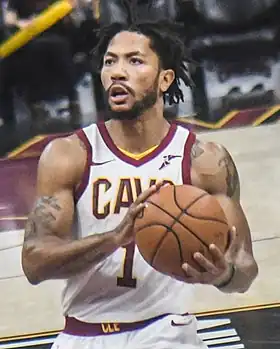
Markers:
point(217, 271)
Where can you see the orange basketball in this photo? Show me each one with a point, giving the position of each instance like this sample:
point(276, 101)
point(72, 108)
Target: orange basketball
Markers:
point(179, 221)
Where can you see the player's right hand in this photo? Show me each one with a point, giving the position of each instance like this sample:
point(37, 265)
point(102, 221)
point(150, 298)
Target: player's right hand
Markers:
point(125, 230)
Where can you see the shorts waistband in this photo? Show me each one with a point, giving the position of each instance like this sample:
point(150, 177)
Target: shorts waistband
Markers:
point(76, 327)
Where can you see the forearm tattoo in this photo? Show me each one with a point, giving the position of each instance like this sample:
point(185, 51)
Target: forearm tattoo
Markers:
point(232, 178)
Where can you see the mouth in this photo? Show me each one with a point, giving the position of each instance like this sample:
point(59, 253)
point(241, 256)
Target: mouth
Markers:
point(118, 94)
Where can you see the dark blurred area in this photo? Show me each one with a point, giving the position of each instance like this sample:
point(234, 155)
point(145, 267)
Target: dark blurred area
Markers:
point(49, 86)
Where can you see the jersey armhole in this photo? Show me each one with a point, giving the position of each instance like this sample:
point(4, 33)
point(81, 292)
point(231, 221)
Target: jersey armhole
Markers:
point(186, 162)
point(85, 177)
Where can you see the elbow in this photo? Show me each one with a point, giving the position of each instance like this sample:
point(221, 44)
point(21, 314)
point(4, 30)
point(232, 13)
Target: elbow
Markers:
point(250, 271)
point(31, 277)
point(31, 267)
point(254, 270)
point(30, 274)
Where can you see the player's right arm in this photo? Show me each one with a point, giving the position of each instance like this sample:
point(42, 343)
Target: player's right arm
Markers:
point(50, 250)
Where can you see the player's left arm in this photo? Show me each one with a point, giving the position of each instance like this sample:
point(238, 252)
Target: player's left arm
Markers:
point(214, 170)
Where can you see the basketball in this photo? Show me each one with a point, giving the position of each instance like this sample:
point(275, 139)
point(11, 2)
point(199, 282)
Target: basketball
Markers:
point(179, 221)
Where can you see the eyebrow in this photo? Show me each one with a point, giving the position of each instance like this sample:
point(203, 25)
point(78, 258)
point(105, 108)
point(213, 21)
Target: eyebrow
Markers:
point(129, 54)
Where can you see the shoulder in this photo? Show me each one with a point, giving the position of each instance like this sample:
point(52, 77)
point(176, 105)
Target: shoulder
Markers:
point(181, 122)
point(210, 151)
point(63, 158)
point(213, 169)
point(64, 147)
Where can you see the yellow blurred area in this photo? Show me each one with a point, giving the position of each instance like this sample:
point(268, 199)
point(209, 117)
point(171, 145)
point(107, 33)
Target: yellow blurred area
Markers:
point(42, 22)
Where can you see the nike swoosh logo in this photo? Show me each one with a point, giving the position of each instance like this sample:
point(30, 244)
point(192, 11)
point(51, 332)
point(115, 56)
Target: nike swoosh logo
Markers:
point(101, 163)
point(175, 324)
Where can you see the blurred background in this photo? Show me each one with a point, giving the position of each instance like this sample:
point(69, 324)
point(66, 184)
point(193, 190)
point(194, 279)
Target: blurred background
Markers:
point(47, 81)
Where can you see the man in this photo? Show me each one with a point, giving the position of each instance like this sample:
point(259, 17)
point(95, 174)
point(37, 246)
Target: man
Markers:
point(93, 184)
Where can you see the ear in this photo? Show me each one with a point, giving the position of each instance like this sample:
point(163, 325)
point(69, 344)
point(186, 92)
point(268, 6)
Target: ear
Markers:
point(165, 80)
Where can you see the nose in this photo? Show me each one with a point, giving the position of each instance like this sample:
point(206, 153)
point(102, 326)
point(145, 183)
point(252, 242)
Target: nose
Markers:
point(119, 73)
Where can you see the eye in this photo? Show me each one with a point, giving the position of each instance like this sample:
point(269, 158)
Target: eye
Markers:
point(108, 61)
point(136, 61)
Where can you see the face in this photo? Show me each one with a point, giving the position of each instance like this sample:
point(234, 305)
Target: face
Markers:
point(131, 76)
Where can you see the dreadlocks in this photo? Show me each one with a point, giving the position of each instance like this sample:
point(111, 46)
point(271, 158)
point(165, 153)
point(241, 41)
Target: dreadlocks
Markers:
point(165, 41)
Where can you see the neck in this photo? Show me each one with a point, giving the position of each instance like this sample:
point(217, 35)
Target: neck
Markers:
point(138, 135)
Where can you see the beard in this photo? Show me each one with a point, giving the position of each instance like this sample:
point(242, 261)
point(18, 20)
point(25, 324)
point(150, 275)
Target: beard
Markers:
point(139, 107)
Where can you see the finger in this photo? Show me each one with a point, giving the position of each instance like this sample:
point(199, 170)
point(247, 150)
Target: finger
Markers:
point(163, 184)
point(232, 235)
point(218, 257)
point(147, 193)
point(138, 209)
point(190, 272)
point(234, 242)
point(206, 264)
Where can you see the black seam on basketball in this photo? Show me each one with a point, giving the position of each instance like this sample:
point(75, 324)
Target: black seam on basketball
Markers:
point(162, 239)
point(177, 221)
point(179, 244)
point(190, 204)
point(203, 218)
point(169, 229)
point(152, 225)
point(158, 245)
point(186, 208)
point(228, 241)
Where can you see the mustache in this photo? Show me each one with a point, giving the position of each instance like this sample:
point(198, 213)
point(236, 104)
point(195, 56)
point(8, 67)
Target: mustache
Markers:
point(129, 89)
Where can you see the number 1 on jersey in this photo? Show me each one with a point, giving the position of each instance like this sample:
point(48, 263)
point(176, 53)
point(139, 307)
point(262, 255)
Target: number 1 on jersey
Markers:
point(127, 280)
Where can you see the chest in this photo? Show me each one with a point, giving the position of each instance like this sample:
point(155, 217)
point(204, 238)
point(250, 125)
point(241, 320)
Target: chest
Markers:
point(116, 184)
point(115, 181)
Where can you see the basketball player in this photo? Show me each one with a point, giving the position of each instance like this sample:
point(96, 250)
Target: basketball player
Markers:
point(92, 185)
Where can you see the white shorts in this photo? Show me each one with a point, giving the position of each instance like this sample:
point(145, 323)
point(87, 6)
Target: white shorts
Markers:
point(170, 332)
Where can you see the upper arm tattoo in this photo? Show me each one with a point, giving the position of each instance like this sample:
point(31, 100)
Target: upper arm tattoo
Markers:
point(216, 168)
point(197, 150)
point(41, 216)
point(232, 178)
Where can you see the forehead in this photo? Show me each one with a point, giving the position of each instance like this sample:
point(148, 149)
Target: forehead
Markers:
point(125, 42)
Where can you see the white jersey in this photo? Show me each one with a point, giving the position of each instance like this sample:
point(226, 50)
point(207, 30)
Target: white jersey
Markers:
point(123, 287)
